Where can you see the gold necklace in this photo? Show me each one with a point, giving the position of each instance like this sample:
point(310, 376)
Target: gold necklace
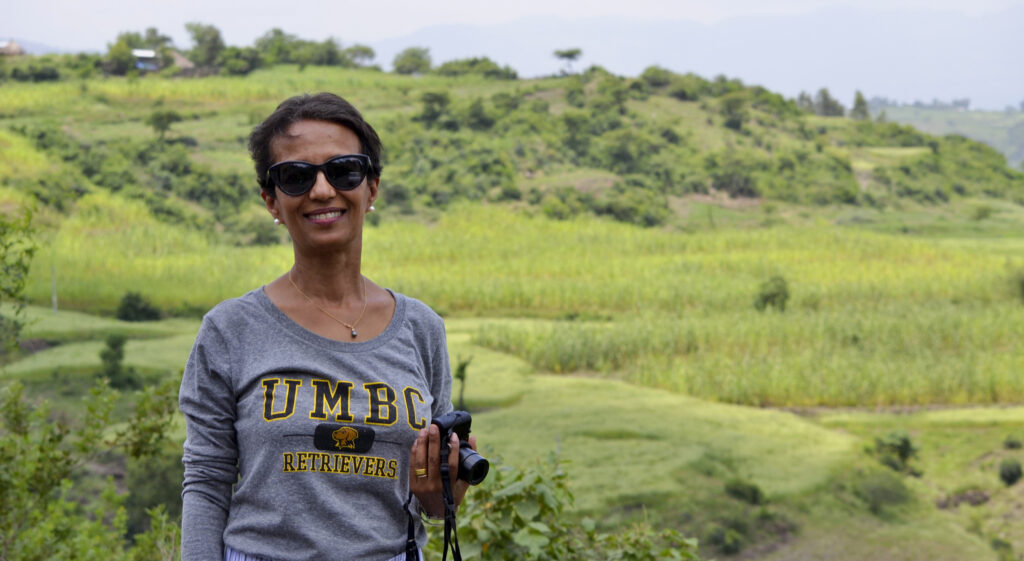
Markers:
point(352, 325)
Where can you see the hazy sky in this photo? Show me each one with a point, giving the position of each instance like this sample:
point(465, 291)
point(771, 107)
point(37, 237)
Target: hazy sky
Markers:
point(91, 24)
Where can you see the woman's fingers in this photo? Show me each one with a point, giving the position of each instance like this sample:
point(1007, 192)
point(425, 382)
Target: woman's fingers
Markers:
point(453, 457)
point(418, 457)
point(433, 453)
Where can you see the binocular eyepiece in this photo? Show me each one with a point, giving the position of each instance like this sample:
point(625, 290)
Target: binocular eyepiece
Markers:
point(473, 467)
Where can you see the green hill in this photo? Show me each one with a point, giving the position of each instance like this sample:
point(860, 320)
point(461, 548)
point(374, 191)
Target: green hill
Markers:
point(633, 149)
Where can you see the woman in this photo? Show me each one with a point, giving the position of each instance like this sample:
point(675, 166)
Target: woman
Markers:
point(308, 401)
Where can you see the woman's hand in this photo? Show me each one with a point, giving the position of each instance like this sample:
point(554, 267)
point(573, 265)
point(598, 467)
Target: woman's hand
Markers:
point(426, 455)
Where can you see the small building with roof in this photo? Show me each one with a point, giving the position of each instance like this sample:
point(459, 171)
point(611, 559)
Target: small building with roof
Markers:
point(11, 48)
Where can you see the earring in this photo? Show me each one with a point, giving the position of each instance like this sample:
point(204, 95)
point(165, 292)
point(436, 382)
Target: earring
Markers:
point(277, 221)
point(372, 208)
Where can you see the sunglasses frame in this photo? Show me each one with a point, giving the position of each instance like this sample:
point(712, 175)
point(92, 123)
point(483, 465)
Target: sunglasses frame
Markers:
point(274, 173)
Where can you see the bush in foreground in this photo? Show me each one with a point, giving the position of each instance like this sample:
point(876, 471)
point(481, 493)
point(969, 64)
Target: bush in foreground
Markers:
point(135, 307)
point(523, 515)
point(1009, 471)
point(41, 456)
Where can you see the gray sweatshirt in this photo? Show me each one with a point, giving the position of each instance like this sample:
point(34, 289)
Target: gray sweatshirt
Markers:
point(297, 446)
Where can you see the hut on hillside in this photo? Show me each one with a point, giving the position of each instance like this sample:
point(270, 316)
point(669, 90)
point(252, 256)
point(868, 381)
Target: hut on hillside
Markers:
point(146, 60)
point(11, 48)
point(181, 62)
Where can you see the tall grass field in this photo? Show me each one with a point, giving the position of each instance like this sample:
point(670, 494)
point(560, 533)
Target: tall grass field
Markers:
point(870, 319)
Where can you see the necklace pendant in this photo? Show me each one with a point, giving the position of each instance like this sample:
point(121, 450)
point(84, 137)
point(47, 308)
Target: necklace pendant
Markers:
point(354, 333)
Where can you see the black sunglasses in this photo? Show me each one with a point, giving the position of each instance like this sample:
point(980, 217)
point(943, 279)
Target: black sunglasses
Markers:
point(296, 178)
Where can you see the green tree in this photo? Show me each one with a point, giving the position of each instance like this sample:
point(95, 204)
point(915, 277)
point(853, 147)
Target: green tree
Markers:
point(804, 102)
point(826, 105)
point(153, 39)
point(656, 76)
point(324, 53)
point(207, 43)
point(161, 121)
point(476, 65)
point(276, 46)
point(358, 55)
point(119, 59)
point(162, 44)
point(114, 371)
point(236, 61)
point(734, 109)
point(435, 107)
point(860, 108)
point(133, 39)
point(569, 56)
point(414, 60)
point(477, 116)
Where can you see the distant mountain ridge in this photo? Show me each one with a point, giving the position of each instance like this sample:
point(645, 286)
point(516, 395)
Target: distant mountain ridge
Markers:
point(907, 55)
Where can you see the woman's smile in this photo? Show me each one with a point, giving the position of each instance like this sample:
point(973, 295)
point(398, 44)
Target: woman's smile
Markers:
point(326, 216)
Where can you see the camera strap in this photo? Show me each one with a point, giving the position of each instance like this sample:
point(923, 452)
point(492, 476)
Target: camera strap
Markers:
point(412, 551)
point(451, 535)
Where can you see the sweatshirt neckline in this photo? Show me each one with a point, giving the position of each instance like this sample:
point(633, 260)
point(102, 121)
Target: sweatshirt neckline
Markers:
point(295, 330)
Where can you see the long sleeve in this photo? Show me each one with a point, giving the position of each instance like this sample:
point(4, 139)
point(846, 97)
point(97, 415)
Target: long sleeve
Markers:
point(440, 372)
point(211, 451)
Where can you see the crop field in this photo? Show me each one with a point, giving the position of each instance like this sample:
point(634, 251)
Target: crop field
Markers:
point(871, 319)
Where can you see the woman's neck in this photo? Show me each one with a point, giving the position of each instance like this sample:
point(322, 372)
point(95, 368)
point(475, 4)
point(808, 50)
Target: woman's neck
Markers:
point(331, 277)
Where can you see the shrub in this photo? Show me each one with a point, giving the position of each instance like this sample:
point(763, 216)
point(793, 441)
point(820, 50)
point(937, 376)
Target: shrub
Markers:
point(728, 540)
point(880, 489)
point(161, 121)
point(135, 307)
point(745, 491)
point(981, 212)
point(112, 357)
point(523, 515)
point(43, 458)
point(895, 451)
point(1011, 443)
point(1003, 549)
point(152, 482)
point(656, 77)
point(476, 65)
point(774, 293)
point(1009, 471)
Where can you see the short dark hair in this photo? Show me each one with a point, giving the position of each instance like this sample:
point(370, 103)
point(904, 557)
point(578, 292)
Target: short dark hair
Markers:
point(319, 107)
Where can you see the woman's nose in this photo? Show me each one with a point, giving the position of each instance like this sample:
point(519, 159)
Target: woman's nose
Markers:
point(322, 189)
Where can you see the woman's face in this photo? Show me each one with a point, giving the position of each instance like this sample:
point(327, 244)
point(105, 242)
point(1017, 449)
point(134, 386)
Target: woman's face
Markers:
point(323, 217)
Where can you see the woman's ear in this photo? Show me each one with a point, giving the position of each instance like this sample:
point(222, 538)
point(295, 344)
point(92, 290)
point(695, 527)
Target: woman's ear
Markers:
point(373, 184)
point(271, 203)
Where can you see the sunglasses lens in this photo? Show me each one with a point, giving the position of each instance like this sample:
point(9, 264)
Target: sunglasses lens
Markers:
point(345, 173)
point(295, 178)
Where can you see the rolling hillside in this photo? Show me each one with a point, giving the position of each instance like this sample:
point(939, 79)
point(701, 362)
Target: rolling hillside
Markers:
point(721, 312)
